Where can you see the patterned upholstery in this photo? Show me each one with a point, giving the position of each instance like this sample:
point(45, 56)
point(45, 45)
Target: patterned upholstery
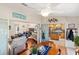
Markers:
point(43, 50)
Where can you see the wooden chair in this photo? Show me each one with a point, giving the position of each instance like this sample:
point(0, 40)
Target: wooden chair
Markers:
point(31, 42)
point(53, 50)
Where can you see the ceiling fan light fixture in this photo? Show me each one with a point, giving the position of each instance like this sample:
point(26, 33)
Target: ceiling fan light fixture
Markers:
point(46, 12)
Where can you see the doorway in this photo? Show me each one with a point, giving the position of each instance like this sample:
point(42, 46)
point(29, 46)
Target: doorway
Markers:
point(69, 43)
point(56, 31)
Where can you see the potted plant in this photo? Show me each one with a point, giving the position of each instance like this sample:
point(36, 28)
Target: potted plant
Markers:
point(34, 50)
point(76, 40)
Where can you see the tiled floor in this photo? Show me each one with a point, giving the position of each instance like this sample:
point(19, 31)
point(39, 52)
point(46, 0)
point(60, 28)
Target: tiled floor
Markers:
point(70, 47)
point(69, 43)
point(61, 44)
point(70, 51)
point(67, 46)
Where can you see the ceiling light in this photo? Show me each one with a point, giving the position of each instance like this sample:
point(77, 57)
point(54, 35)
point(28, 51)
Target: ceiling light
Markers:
point(45, 12)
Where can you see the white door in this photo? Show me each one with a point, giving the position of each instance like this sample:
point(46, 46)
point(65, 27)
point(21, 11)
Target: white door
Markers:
point(3, 37)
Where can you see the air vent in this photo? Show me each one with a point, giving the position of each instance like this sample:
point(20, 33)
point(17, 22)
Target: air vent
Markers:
point(24, 4)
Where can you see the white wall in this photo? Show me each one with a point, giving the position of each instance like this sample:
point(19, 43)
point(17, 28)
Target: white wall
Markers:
point(4, 12)
point(7, 9)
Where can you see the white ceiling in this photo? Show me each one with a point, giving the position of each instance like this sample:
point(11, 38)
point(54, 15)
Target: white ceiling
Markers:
point(61, 9)
point(57, 9)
